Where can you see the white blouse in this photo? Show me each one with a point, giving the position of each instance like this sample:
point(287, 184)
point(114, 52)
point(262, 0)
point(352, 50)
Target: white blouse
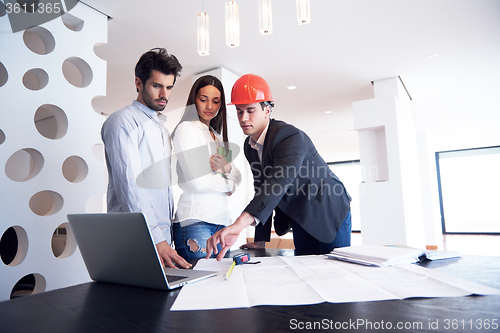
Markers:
point(204, 196)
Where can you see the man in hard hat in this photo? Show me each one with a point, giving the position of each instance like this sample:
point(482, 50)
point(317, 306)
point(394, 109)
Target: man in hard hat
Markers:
point(290, 178)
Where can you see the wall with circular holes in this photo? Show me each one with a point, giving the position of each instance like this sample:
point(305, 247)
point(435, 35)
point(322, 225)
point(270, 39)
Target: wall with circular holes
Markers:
point(51, 153)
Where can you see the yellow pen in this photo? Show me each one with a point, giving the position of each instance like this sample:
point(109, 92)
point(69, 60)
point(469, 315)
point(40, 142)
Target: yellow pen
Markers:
point(230, 270)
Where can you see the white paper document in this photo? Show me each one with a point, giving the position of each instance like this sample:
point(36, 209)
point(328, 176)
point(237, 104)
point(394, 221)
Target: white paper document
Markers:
point(384, 255)
point(315, 279)
point(376, 255)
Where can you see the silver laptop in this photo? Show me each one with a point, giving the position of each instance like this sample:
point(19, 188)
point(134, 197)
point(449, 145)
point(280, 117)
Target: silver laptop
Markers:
point(119, 248)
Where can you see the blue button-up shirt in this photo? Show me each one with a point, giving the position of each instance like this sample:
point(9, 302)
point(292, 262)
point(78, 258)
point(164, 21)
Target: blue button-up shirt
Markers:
point(138, 149)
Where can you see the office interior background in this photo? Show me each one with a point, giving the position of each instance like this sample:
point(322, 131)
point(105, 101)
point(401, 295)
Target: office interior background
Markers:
point(433, 63)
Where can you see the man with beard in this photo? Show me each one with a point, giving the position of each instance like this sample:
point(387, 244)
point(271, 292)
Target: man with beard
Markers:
point(138, 150)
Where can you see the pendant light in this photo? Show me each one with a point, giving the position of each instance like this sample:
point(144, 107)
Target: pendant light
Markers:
point(203, 35)
point(265, 17)
point(232, 24)
point(303, 12)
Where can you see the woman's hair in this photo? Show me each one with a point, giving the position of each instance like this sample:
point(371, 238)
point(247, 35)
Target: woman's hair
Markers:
point(219, 122)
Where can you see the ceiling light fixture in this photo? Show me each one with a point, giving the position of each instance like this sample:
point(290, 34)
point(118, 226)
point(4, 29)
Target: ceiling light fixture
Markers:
point(265, 17)
point(303, 12)
point(291, 87)
point(203, 35)
point(328, 112)
point(232, 24)
point(232, 16)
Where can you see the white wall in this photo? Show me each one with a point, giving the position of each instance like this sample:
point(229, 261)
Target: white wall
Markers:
point(477, 129)
point(50, 165)
point(481, 130)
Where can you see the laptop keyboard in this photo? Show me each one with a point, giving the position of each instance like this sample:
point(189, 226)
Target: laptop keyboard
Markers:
point(173, 278)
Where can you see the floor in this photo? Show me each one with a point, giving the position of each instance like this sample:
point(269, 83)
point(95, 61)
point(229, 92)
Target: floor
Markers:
point(486, 245)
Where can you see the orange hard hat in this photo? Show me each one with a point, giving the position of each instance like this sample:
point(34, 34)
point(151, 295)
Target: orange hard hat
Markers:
point(250, 88)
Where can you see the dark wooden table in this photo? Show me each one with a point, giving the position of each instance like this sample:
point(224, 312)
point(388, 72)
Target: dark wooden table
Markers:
point(98, 307)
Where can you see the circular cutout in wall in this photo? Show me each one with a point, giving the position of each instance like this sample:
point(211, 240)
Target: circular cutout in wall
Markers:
point(14, 246)
point(63, 241)
point(29, 285)
point(24, 164)
point(3, 11)
point(35, 79)
point(51, 121)
point(2, 137)
point(77, 72)
point(4, 76)
point(75, 169)
point(99, 104)
point(98, 151)
point(46, 203)
point(72, 22)
point(39, 40)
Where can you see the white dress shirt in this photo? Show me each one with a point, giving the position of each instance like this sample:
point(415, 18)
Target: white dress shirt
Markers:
point(259, 146)
point(204, 196)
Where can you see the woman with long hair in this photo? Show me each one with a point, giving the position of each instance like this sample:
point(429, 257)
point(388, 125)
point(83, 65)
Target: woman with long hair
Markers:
point(204, 171)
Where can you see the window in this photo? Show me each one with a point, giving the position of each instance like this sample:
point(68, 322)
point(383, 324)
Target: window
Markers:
point(469, 190)
point(349, 173)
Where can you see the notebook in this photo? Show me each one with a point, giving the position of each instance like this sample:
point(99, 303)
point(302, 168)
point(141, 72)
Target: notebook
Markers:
point(118, 248)
point(386, 255)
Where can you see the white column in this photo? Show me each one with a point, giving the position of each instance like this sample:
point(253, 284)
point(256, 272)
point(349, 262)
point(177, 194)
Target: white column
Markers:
point(390, 195)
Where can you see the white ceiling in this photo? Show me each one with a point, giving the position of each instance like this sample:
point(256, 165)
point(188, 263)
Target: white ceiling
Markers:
point(331, 61)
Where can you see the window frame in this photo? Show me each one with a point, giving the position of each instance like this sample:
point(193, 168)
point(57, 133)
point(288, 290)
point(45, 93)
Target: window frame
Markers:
point(440, 192)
